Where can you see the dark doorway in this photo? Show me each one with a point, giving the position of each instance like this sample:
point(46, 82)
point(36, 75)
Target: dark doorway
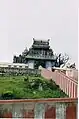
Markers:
point(39, 63)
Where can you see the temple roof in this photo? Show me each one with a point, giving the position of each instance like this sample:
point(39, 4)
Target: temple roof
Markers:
point(40, 43)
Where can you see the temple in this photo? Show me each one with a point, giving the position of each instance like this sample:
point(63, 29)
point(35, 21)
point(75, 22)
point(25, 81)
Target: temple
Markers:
point(40, 54)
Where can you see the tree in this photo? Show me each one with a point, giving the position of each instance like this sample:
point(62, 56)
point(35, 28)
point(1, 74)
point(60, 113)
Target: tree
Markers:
point(73, 66)
point(62, 60)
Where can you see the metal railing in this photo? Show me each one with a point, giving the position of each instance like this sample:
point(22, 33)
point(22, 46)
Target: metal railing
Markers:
point(67, 84)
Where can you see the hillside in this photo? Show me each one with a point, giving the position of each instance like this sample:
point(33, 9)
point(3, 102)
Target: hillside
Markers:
point(28, 87)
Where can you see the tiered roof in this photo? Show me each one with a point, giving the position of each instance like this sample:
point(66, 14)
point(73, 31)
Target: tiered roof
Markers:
point(40, 44)
point(40, 50)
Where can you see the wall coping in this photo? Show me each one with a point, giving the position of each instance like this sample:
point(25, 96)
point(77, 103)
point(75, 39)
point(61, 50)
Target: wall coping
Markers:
point(39, 100)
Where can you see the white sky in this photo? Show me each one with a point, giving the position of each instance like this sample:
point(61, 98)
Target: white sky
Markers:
point(21, 20)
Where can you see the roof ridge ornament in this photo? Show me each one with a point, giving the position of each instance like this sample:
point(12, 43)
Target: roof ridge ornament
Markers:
point(33, 39)
point(40, 40)
point(48, 40)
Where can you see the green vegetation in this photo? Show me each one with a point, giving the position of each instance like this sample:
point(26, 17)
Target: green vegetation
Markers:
point(28, 87)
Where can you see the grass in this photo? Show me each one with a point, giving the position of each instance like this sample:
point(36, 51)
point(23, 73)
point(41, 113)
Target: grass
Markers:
point(23, 87)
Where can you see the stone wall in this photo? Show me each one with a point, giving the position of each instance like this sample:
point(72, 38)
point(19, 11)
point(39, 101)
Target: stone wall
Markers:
point(19, 71)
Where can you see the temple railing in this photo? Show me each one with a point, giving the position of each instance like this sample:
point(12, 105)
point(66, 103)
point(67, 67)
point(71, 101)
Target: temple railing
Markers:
point(67, 84)
point(56, 108)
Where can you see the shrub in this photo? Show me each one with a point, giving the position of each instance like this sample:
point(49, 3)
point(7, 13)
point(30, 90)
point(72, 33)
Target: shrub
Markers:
point(26, 78)
point(7, 95)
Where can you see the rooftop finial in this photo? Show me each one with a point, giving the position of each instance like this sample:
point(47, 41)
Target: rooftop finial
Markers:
point(48, 40)
point(33, 39)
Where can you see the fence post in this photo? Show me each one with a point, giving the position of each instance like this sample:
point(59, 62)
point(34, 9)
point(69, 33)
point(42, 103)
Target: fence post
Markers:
point(16, 111)
point(60, 111)
point(39, 111)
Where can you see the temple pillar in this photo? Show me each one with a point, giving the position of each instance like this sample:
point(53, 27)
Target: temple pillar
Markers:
point(39, 111)
point(60, 111)
point(31, 64)
point(49, 65)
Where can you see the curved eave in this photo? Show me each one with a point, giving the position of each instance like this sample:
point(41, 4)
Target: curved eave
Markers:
point(40, 58)
point(40, 47)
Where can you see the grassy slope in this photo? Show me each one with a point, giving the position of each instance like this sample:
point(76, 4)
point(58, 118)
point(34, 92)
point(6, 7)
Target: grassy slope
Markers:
point(21, 88)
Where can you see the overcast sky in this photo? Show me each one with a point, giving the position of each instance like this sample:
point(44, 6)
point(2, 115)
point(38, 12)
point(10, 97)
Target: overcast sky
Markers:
point(21, 20)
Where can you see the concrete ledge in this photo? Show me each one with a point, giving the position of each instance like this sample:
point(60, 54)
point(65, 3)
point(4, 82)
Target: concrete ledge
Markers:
point(40, 100)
